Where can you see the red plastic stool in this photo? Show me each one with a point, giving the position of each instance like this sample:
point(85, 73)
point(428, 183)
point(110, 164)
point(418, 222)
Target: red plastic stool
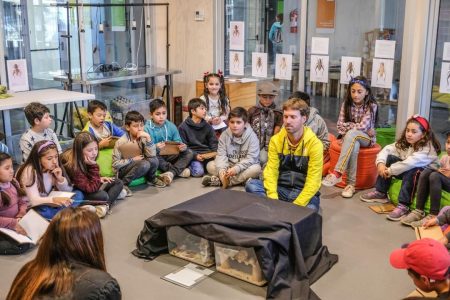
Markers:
point(326, 164)
point(366, 172)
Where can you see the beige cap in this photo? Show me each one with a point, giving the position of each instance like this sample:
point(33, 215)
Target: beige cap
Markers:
point(267, 88)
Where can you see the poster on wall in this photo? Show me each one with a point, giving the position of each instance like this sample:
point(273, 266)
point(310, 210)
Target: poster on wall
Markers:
point(319, 68)
point(237, 63)
point(350, 67)
point(446, 53)
point(382, 72)
point(325, 19)
point(237, 36)
point(444, 86)
point(283, 66)
point(118, 16)
point(319, 45)
point(259, 64)
point(17, 75)
point(384, 49)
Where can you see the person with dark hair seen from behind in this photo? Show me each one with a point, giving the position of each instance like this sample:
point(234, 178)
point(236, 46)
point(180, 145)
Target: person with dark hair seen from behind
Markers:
point(316, 123)
point(427, 262)
point(70, 262)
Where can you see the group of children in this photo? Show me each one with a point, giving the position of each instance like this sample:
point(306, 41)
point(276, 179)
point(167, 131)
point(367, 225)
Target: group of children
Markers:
point(226, 146)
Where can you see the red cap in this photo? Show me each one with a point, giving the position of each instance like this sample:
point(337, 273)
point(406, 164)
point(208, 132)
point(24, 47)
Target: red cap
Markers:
point(427, 257)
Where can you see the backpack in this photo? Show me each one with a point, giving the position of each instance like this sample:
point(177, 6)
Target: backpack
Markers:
point(278, 36)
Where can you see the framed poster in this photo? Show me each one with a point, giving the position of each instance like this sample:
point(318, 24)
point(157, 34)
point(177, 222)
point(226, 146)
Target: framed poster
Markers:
point(319, 45)
point(237, 63)
point(283, 66)
point(382, 73)
point(237, 31)
point(384, 49)
point(259, 64)
point(325, 18)
point(319, 68)
point(444, 86)
point(350, 67)
point(17, 75)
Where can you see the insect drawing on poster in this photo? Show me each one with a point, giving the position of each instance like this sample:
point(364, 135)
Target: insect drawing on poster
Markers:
point(350, 67)
point(236, 33)
point(17, 75)
point(259, 64)
point(236, 63)
point(350, 70)
point(381, 73)
point(319, 68)
point(283, 67)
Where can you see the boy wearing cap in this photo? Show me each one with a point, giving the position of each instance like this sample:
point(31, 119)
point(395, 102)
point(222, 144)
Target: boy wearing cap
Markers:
point(428, 263)
point(264, 118)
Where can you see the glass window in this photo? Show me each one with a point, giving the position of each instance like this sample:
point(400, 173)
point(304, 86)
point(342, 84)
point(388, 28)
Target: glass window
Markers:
point(440, 102)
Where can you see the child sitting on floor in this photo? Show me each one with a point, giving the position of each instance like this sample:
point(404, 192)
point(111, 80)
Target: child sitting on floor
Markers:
point(162, 131)
point(199, 136)
point(405, 159)
point(38, 115)
point(134, 153)
point(13, 206)
point(237, 157)
point(431, 182)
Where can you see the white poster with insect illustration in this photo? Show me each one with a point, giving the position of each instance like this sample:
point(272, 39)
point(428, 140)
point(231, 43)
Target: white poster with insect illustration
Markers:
point(237, 41)
point(382, 73)
point(350, 67)
point(283, 66)
point(319, 68)
point(259, 64)
point(444, 86)
point(17, 75)
point(237, 63)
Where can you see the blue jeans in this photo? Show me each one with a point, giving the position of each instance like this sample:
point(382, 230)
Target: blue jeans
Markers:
point(48, 212)
point(256, 186)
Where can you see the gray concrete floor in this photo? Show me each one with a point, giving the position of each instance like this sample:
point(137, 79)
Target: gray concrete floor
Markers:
point(361, 238)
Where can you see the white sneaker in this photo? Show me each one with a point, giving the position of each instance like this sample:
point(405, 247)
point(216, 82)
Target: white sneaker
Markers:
point(348, 191)
point(331, 180)
point(186, 173)
point(128, 191)
point(101, 210)
point(89, 208)
point(167, 177)
point(122, 195)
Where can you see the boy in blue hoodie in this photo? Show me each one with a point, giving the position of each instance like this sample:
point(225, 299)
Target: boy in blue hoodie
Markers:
point(200, 137)
point(237, 157)
point(161, 131)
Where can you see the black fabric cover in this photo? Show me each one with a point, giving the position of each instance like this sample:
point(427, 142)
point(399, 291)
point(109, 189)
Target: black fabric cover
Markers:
point(287, 238)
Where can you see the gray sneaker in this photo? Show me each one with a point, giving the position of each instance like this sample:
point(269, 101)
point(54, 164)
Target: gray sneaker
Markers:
point(413, 216)
point(422, 221)
point(211, 181)
point(374, 197)
point(186, 173)
point(158, 183)
point(129, 192)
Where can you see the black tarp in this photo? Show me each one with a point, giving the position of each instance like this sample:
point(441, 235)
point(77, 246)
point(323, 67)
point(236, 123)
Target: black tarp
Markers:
point(287, 238)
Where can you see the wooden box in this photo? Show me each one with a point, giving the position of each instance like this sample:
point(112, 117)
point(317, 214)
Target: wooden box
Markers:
point(239, 93)
point(190, 247)
point(239, 262)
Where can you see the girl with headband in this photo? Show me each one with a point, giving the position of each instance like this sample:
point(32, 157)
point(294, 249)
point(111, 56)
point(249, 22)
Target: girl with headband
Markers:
point(43, 172)
point(416, 149)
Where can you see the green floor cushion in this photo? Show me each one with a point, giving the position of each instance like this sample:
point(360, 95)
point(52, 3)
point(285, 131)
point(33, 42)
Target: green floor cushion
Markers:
point(385, 136)
point(394, 190)
point(104, 161)
point(138, 181)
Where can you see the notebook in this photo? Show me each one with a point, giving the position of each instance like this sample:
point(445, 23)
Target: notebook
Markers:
point(35, 226)
point(171, 148)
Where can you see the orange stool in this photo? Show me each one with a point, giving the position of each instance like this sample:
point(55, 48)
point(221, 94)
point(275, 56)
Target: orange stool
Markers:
point(326, 164)
point(366, 172)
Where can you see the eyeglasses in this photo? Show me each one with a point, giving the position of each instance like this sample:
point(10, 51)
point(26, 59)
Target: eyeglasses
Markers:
point(267, 96)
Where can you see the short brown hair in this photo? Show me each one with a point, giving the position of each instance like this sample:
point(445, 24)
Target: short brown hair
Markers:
point(297, 104)
point(35, 110)
point(238, 112)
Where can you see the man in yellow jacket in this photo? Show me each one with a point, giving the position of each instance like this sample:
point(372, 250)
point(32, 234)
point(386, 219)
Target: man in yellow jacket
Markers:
point(294, 169)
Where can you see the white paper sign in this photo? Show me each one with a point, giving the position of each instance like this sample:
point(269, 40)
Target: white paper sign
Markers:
point(283, 66)
point(382, 73)
point(384, 49)
point(236, 63)
point(259, 64)
point(350, 67)
point(237, 36)
point(319, 45)
point(319, 68)
point(446, 53)
point(444, 86)
point(17, 75)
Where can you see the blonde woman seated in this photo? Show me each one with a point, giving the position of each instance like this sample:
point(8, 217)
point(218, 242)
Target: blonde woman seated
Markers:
point(70, 263)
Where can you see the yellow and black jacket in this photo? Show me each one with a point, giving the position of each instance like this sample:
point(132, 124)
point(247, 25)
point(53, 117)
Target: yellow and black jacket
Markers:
point(300, 168)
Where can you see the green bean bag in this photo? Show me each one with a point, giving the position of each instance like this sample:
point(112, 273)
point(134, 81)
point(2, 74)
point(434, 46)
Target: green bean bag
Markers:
point(394, 190)
point(104, 161)
point(138, 181)
point(385, 136)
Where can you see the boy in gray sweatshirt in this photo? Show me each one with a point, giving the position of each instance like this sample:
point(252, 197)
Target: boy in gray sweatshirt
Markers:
point(237, 155)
